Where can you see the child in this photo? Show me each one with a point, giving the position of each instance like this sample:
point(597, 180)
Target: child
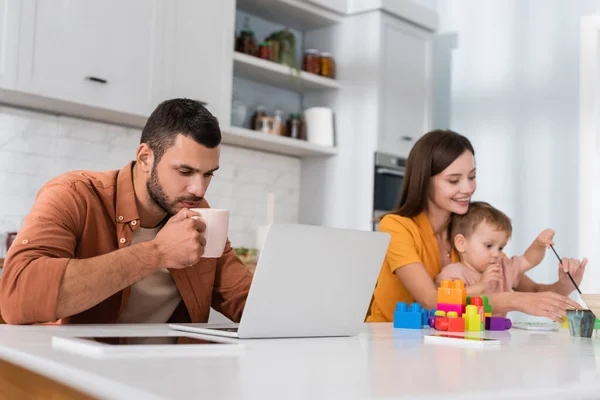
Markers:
point(479, 237)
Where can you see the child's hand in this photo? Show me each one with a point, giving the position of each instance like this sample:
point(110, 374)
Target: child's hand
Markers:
point(491, 277)
point(545, 239)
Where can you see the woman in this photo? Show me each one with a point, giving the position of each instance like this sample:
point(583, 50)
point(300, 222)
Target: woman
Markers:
point(439, 181)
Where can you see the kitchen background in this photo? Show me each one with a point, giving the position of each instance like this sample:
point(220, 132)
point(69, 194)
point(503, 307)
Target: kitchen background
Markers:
point(34, 147)
point(504, 73)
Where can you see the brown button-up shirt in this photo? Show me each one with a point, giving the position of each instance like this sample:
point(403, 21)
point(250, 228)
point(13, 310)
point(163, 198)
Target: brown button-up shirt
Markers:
point(85, 214)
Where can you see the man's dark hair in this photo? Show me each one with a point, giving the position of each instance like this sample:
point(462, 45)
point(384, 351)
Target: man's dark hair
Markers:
point(180, 117)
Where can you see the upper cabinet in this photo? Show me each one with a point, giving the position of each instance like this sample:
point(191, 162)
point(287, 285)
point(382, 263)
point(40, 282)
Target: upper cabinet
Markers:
point(405, 85)
point(9, 31)
point(339, 6)
point(99, 53)
point(199, 61)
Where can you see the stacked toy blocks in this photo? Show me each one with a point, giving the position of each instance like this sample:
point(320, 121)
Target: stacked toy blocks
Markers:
point(458, 313)
point(455, 312)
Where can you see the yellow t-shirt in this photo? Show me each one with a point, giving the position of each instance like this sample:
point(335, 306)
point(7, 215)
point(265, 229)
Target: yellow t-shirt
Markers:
point(413, 241)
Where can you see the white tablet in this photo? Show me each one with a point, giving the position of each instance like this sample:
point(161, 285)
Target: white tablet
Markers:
point(536, 326)
point(147, 346)
point(461, 341)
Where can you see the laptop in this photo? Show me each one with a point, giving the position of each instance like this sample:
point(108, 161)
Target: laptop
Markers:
point(310, 281)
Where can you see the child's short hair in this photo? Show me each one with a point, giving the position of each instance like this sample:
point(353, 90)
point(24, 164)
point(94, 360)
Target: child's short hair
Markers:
point(479, 211)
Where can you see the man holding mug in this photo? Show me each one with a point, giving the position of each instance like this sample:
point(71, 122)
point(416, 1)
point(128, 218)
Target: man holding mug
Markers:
point(125, 246)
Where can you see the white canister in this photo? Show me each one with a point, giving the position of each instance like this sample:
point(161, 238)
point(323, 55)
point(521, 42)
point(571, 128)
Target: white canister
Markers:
point(319, 125)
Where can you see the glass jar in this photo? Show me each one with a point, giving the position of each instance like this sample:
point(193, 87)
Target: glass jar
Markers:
point(264, 51)
point(261, 111)
point(278, 127)
point(275, 50)
point(310, 61)
point(295, 127)
point(245, 42)
point(327, 65)
point(301, 127)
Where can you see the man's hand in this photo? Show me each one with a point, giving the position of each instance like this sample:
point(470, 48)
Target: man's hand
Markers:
point(180, 242)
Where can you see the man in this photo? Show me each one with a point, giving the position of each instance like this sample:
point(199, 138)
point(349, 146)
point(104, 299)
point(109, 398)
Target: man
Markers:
point(121, 246)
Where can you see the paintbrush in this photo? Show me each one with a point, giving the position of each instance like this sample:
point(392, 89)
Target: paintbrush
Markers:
point(568, 274)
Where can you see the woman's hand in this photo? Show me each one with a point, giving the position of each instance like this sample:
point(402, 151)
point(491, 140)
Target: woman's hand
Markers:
point(575, 267)
point(544, 304)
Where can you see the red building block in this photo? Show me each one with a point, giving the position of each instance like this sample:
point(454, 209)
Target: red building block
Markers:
point(456, 324)
point(441, 323)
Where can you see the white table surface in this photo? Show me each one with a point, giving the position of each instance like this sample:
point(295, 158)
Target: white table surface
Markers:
point(381, 362)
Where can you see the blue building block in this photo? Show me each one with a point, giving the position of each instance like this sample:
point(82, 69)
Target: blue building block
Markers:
point(424, 317)
point(406, 318)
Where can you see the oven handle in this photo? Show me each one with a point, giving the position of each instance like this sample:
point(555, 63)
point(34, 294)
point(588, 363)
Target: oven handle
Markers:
point(389, 171)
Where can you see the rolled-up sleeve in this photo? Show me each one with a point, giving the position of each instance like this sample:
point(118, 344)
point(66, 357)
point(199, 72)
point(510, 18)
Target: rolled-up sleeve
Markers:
point(37, 260)
point(232, 284)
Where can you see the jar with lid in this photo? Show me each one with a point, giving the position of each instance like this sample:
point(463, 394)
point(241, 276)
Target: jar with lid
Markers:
point(261, 111)
point(264, 51)
point(310, 62)
point(245, 42)
point(301, 127)
point(327, 65)
point(295, 127)
point(278, 127)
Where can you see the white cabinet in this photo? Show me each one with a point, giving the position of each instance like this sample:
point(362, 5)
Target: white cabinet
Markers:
point(105, 53)
point(9, 31)
point(405, 86)
point(383, 105)
point(199, 61)
point(339, 6)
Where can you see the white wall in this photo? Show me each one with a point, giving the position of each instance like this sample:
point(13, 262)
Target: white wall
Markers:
point(35, 147)
point(514, 93)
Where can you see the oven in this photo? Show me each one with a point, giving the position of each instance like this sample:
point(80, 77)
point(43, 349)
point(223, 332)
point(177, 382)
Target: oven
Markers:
point(389, 175)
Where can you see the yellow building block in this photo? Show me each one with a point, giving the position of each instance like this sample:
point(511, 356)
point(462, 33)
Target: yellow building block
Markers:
point(472, 319)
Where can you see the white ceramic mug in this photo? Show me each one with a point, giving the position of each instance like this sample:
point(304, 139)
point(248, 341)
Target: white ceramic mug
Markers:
point(217, 227)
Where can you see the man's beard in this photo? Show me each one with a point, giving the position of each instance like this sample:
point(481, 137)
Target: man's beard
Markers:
point(160, 198)
point(157, 194)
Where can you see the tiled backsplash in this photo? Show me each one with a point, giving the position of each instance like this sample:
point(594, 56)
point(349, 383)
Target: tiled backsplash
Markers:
point(34, 147)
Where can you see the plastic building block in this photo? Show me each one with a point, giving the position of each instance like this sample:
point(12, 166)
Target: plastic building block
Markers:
point(497, 323)
point(455, 323)
point(478, 301)
point(472, 321)
point(488, 314)
point(431, 319)
point(441, 323)
point(424, 317)
point(431, 322)
point(459, 309)
point(406, 318)
point(487, 307)
point(440, 313)
point(452, 292)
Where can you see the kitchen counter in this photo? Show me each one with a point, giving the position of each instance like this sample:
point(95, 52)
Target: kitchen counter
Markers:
point(381, 362)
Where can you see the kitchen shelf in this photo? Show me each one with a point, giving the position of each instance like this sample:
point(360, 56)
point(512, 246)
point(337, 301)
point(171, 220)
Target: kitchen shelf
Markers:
point(247, 138)
point(279, 75)
point(297, 14)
